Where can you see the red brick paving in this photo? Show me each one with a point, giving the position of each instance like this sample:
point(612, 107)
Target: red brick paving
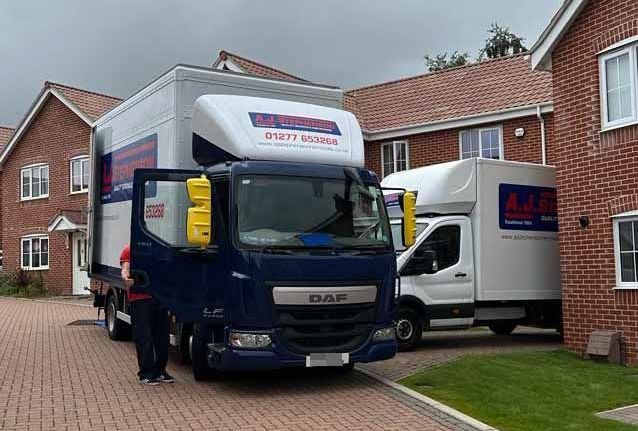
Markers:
point(59, 377)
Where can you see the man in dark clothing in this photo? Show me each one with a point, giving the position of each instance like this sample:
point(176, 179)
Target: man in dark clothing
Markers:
point(150, 330)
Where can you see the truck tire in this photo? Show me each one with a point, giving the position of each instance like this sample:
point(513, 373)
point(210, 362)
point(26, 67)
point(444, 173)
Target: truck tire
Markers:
point(409, 327)
point(184, 344)
point(502, 327)
point(203, 335)
point(117, 329)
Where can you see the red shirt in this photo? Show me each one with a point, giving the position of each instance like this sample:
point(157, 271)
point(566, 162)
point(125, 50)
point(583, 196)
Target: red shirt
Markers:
point(125, 256)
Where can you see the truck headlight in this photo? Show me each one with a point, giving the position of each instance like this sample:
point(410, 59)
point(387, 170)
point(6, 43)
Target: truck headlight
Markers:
point(248, 340)
point(384, 334)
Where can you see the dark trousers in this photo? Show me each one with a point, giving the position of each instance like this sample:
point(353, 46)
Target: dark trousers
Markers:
point(150, 332)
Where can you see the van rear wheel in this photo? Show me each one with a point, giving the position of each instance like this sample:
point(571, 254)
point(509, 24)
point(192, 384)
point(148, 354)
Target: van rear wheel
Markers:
point(409, 329)
point(502, 327)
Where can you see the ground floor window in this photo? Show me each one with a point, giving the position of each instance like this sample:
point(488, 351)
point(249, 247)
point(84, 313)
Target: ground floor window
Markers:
point(35, 252)
point(626, 251)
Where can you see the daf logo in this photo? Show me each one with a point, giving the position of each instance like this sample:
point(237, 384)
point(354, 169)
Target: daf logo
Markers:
point(327, 298)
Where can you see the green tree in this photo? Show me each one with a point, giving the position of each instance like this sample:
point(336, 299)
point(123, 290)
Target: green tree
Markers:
point(441, 61)
point(501, 42)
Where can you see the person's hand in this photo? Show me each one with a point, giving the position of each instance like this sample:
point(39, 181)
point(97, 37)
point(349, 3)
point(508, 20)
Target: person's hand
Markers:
point(128, 282)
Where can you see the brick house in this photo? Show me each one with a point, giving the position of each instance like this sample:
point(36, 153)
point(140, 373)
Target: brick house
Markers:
point(591, 49)
point(5, 135)
point(45, 173)
point(467, 111)
point(439, 117)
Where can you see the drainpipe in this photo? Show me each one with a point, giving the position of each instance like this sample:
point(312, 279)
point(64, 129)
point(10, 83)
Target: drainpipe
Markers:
point(542, 121)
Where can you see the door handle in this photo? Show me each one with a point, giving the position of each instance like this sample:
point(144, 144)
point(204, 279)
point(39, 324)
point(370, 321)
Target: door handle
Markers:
point(460, 275)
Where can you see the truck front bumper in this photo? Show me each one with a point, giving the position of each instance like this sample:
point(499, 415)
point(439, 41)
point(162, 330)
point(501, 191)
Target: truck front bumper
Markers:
point(231, 358)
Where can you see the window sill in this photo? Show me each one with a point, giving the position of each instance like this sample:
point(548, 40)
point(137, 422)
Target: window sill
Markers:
point(33, 199)
point(42, 268)
point(626, 287)
point(83, 192)
point(618, 126)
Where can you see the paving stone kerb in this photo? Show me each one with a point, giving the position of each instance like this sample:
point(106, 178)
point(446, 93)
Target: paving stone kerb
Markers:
point(59, 377)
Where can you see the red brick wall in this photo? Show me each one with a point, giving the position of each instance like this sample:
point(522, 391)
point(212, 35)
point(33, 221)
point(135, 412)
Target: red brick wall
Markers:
point(443, 146)
point(55, 136)
point(597, 177)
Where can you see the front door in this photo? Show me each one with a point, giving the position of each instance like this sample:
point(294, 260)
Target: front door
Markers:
point(80, 273)
point(186, 279)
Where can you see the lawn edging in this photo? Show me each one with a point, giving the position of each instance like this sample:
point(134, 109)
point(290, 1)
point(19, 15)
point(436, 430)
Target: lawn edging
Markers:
point(468, 420)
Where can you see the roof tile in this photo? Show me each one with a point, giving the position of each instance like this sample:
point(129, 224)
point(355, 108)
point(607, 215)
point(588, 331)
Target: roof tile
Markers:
point(255, 68)
point(91, 103)
point(5, 135)
point(478, 88)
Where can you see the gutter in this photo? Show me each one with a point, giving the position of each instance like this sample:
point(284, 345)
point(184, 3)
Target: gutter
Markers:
point(539, 115)
point(459, 122)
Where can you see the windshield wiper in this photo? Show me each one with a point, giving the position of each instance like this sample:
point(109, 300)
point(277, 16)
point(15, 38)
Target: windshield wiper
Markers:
point(274, 249)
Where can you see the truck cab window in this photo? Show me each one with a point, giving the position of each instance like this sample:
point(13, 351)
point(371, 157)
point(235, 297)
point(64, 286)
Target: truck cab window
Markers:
point(445, 241)
point(165, 209)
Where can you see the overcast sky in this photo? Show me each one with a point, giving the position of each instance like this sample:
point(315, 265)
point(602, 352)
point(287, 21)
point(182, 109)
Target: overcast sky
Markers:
point(118, 46)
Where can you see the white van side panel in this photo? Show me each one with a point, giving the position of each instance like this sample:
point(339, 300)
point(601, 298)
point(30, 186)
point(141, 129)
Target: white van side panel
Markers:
point(512, 264)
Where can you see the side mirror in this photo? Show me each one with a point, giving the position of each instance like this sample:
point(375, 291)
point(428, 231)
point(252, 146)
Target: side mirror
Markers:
point(422, 262)
point(409, 219)
point(198, 222)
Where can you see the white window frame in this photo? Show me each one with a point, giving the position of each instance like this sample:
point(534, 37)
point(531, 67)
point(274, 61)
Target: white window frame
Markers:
point(394, 156)
point(622, 218)
point(30, 168)
point(81, 159)
point(30, 239)
point(501, 152)
point(629, 48)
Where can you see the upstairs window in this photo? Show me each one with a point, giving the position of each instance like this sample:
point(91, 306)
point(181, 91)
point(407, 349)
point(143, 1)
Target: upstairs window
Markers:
point(618, 76)
point(486, 143)
point(34, 182)
point(80, 175)
point(394, 157)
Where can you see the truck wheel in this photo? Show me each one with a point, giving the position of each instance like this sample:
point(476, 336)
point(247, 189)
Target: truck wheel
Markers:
point(409, 329)
point(502, 327)
point(185, 344)
point(202, 335)
point(118, 330)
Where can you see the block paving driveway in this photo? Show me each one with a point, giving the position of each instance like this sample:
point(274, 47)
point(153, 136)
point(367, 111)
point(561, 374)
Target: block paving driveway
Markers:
point(59, 377)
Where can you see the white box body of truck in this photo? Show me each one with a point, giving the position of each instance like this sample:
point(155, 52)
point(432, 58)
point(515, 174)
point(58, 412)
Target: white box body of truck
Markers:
point(153, 129)
point(493, 227)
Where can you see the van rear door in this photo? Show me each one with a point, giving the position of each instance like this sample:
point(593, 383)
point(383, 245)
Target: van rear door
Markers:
point(185, 279)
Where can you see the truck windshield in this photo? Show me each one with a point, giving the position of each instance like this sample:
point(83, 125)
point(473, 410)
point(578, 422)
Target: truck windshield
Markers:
point(299, 212)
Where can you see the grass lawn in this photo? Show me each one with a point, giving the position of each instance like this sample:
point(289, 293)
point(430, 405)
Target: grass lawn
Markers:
point(532, 391)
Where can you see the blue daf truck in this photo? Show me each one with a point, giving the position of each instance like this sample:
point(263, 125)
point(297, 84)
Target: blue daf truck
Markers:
point(251, 217)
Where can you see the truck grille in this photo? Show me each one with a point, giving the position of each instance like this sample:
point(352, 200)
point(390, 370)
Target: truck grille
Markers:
point(324, 328)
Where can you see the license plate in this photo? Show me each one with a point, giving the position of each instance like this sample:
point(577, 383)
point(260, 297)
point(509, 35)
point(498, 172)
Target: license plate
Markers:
point(327, 359)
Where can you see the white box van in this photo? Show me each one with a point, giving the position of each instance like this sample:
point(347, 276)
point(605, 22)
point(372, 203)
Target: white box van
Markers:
point(487, 247)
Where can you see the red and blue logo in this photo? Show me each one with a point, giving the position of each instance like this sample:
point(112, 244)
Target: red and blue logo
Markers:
point(527, 208)
point(292, 122)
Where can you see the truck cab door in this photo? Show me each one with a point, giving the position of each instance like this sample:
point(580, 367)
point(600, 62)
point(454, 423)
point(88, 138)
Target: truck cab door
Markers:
point(447, 287)
point(184, 278)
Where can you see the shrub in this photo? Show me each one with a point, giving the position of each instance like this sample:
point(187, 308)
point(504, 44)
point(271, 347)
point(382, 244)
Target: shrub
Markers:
point(22, 283)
